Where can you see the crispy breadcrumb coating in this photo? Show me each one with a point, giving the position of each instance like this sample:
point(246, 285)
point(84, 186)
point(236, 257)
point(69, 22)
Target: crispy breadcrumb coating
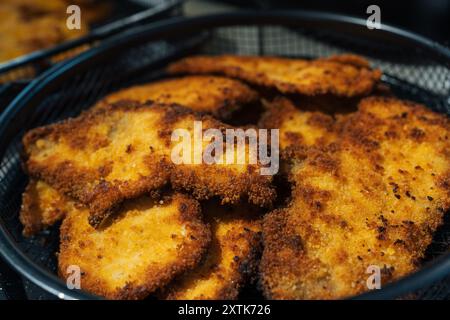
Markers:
point(19, 35)
point(122, 151)
point(140, 250)
point(231, 259)
point(375, 197)
point(42, 206)
point(345, 75)
point(217, 96)
point(297, 127)
point(31, 25)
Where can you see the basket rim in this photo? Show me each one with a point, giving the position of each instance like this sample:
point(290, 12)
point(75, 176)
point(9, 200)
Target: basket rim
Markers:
point(12, 253)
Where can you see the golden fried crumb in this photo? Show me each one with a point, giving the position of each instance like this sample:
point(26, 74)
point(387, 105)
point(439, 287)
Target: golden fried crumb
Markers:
point(124, 150)
point(142, 248)
point(31, 25)
point(19, 36)
point(374, 197)
point(297, 127)
point(214, 95)
point(42, 206)
point(231, 258)
point(345, 75)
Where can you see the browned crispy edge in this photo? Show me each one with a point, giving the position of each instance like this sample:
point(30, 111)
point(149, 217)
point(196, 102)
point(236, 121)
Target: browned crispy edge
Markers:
point(280, 110)
point(224, 111)
point(189, 258)
point(31, 215)
point(278, 235)
point(30, 222)
point(106, 198)
point(250, 186)
point(192, 65)
point(245, 269)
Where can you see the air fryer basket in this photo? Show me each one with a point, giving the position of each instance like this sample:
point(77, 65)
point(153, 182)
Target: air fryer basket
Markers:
point(415, 68)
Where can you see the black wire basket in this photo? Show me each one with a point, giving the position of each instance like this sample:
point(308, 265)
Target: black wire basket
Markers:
point(415, 68)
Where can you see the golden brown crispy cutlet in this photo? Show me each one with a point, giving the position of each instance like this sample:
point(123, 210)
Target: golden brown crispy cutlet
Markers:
point(375, 197)
point(92, 10)
point(42, 206)
point(19, 35)
point(345, 75)
point(121, 151)
point(30, 25)
point(142, 248)
point(297, 127)
point(36, 7)
point(231, 260)
point(217, 96)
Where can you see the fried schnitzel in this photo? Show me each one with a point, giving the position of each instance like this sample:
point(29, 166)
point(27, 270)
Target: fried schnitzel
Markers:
point(214, 95)
point(297, 127)
point(144, 247)
point(374, 198)
point(231, 259)
point(30, 25)
point(345, 75)
point(19, 37)
point(42, 206)
point(93, 11)
point(122, 151)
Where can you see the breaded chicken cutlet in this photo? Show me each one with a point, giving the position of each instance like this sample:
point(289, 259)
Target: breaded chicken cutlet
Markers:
point(92, 10)
point(122, 151)
point(143, 248)
point(231, 260)
point(298, 127)
point(19, 20)
point(374, 198)
point(369, 188)
point(42, 206)
point(345, 75)
point(19, 37)
point(217, 96)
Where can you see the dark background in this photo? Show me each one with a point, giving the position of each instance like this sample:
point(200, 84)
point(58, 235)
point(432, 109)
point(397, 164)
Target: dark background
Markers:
point(430, 18)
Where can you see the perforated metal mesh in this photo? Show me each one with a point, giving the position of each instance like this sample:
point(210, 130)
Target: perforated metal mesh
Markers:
point(410, 74)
